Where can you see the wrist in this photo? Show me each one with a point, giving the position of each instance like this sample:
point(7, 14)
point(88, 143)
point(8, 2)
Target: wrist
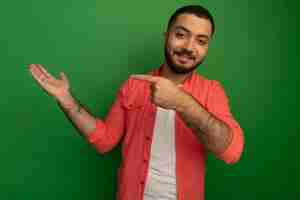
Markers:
point(67, 101)
point(183, 102)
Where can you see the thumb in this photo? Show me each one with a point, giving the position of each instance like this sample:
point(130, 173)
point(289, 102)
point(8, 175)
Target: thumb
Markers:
point(63, 77)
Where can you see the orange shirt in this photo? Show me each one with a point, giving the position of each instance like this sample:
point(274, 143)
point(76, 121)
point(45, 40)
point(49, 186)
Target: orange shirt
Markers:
point(131, 119)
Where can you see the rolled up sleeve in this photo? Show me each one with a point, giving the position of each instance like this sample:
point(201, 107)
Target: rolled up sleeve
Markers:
point(218, 105)
point(108, 133)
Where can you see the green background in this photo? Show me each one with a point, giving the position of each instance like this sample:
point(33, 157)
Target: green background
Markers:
point(98, 44)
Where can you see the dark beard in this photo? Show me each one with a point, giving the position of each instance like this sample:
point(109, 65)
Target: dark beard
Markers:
point(178, 69)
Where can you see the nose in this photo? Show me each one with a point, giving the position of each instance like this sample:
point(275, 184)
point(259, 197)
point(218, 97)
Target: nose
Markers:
point(189, 45)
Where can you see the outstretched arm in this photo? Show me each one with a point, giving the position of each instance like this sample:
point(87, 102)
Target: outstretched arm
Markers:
point(60, 90)
point(103, 135)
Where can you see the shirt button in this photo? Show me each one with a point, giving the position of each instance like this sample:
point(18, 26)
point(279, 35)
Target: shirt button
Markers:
point(148, 138)
point(145, 160)
point(142, 182)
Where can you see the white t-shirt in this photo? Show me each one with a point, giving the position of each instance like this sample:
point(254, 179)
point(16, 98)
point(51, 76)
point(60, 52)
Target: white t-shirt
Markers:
point(161, 180)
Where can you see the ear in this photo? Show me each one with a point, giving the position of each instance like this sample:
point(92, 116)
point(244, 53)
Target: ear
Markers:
point(166, 34)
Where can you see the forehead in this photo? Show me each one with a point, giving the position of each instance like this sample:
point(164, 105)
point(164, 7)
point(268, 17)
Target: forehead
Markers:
point(195, 24)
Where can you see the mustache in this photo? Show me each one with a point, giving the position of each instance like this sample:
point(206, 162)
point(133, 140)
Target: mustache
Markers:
point(185, 52)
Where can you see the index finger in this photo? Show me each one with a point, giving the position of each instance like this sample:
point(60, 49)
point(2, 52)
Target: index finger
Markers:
point(149, 78)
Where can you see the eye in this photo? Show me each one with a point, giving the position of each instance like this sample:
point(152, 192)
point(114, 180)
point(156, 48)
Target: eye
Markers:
point(202, 42)
point(180, 35)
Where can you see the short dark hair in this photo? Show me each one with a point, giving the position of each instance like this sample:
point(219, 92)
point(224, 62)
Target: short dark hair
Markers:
point(196, 10)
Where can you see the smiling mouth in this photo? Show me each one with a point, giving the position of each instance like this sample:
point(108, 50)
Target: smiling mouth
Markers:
point(183, 58)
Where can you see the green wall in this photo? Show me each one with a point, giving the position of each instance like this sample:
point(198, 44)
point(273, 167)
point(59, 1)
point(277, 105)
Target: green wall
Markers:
point(98, 44)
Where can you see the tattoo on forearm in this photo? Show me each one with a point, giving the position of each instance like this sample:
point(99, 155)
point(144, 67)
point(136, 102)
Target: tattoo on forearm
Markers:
point(212, 133)
point(80, 118)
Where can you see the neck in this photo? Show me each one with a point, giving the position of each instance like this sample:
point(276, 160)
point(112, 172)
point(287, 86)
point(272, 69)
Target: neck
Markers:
point(166, 72)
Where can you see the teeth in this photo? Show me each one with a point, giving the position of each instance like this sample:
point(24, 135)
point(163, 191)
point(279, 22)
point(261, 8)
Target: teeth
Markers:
point(185, 57)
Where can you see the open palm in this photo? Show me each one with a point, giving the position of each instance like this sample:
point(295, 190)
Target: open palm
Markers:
point(54, 87)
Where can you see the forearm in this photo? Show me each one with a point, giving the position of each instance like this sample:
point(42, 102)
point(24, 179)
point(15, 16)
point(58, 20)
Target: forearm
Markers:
point(212, 133)
point(80, 118)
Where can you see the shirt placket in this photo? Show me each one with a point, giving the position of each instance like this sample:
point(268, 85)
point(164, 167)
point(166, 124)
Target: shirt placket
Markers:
point(148, 136)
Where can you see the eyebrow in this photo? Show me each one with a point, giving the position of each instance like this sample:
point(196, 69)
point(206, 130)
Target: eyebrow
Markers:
point(187, 30)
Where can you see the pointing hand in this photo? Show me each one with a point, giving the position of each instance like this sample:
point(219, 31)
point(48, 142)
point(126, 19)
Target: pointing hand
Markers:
point(164, 93)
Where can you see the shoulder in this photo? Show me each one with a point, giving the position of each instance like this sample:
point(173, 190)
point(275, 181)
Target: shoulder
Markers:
point(206, 90)
point(134, 85)
point(134, 92)
point(199, 84)
point(211, 84)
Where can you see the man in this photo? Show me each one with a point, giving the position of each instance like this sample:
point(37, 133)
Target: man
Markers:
point(168, 120)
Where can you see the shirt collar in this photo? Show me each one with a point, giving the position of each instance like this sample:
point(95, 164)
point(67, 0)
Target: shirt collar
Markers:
point(187, 82)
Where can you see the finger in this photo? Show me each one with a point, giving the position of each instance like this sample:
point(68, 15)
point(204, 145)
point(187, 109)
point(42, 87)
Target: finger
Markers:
point(36, 73)
point(42, 85)
point(39, 80)
point(149, 78)
point(63, 77)
point(32, 67)
point(44, 71)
